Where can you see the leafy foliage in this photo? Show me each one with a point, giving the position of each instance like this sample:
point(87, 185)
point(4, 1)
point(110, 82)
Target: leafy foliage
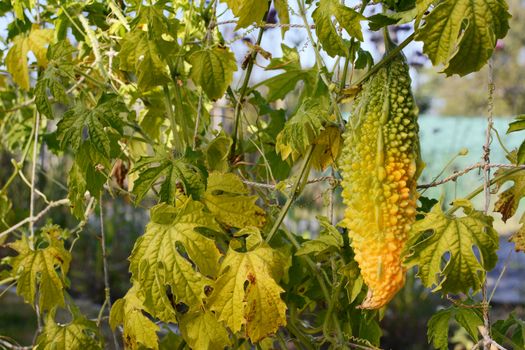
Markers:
point(138, 328)
point(173, 253)
point(462, 34)
point(79, 333)
point(438, 325)
point(347, 18)
point(40, 272)
point(453, 239)
point(153, 106)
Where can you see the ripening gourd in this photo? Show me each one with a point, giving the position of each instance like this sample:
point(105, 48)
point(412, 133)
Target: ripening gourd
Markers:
point(380, 165)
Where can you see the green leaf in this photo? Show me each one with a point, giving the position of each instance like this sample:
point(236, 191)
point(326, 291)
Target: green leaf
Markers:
point(329, 241)
point(462, 34)
point(301, 130)
point(227, 198)
point(143, 56)
point(247, 293)
point(139, 330)
point(80, 333)
point(176, 171)
point(248, 11)
point(212, 69)
point(445, 258)
point(43, 269)
point(50, 80)
point(438, 328)
point(217, 153)
point(327, 32)
point(98, 121)
point(282, 84)
point(510, 331)
point(517, 125)
point(281, 6)
point(438, 325)
point(201, 330)
point(173, 254)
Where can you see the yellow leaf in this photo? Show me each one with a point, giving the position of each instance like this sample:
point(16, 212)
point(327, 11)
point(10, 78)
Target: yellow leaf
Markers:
point(259, 307)
point(38, 40)
point(202, 331)
point(44, 268)
point(171, 253)
point(16, 59)
point(16, 62)
point(138, 328)
point(226, 197)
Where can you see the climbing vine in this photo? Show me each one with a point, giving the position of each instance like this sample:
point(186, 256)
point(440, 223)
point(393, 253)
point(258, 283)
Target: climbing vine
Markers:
point(155, 103)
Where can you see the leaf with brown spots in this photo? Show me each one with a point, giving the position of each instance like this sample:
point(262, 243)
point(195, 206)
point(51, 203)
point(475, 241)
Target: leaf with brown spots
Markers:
point(509, 200)
point(246, 292)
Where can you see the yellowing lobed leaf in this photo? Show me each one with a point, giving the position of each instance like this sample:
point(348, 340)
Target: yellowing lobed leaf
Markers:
point(138, 329)
point(462, 34)
point(172, 254)
point(226, 197)
point(43, 269)
point(16, 59)
point(80, 333)
point(248, 11)
point(202, 331)
point(258, 306)
point(453, 239)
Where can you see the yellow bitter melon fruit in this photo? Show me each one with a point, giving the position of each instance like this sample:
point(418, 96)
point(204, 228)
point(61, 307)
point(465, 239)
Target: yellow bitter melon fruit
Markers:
point(380, 165)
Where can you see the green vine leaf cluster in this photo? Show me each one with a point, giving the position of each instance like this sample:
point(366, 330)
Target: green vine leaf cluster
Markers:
point(155, 106)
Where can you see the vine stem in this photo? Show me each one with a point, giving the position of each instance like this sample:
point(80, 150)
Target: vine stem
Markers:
point(293, 193)
point(303, 175)
point(33, 179)
point(486, 191)
point(244, 89)
point(387, 58)
point(319, 62)
point(107, 289)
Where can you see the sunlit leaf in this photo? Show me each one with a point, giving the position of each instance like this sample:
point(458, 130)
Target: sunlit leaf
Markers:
point(227, 198)
point(258, 306)
point(327, 32)
point(139, 330)
point(453, 240)
point(462, 34)
point(41, 270)
point(212, 69)
point(173, 254)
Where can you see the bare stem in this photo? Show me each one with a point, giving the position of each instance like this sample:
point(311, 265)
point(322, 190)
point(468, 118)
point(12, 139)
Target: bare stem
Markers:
point(107, 289)
point(33, 179)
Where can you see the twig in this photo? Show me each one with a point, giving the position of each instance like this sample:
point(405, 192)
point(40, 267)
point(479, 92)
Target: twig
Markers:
point(32, 219)
point(8, 345)
point(303, 172)
point(107, 289)
point(486, 191)
point(268, 25)
point(33, 178)
point(243, 90)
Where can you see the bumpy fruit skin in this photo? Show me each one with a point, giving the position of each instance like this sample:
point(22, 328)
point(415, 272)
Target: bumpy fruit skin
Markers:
point(380, 165)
